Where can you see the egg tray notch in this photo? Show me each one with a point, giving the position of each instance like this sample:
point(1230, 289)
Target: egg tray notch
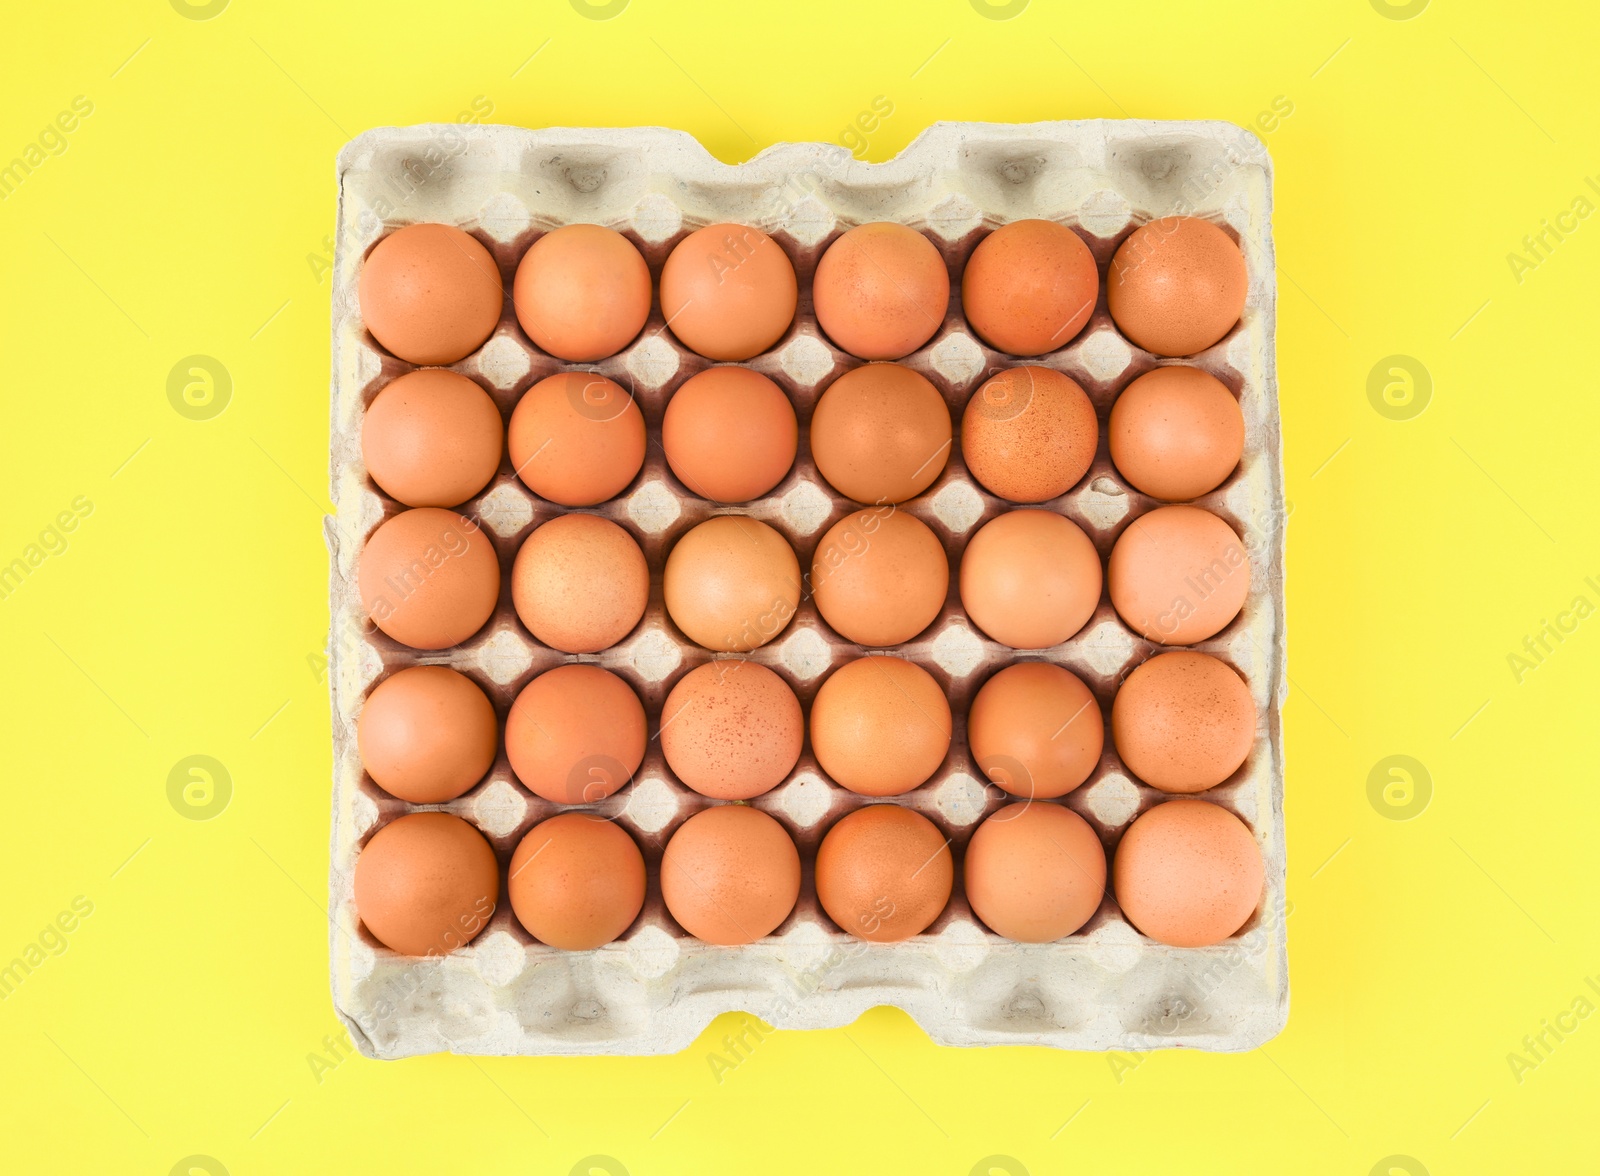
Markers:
point(654, 990)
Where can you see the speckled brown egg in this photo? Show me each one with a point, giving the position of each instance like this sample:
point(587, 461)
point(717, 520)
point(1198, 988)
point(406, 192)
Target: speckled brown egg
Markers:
point(432, 438)
point(1188, 873)
point(429, 578)
point(576, 881)
point(1178, 575)
point(1035, 730)
point(582, 292)
point(1176, 285)
point(427, 734)
point(1030, 578)
point(880, 577)
point(576, 438)
point(728, 291)
point(880, 726)
point(731, 729)
point(1034, 872)
point(884, 873)
point(730, 434)
point(880, 433)
point(426, 884)
point(1183, 721)
point(881, 291)
point(1029, 434)
point(1176, 433)
point(430, 294)
point(575, 734)
point(1029, 287)
point(732, 583)
point(730, 875)
point(580, 583)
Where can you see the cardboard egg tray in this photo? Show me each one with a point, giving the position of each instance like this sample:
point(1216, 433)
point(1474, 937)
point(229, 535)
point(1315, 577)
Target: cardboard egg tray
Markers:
point(655, 989)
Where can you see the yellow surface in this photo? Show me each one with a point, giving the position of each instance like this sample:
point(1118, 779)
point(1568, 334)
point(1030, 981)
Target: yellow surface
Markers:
point(184, 613)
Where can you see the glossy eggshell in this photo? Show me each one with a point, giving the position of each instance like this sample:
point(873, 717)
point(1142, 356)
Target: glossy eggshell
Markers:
point(426, 884)
point(575, 734)
point(732, 583)
point(576, 881)
point(730, 875)
point(731, 729)
point(730, 434)
point(879, 578)
point(884, 873)
point(880, 433)
point(1029, 434)
point(728, 291)
point(430, 294)
point(1035, 730)
point(1034, 872)
point(880, 726)
point(1183, 721)
point(429, 578)
point(1178, 575)
point(1030, 578)
point(881, 291)
point(1188, 873)
point(1029, 287)
point(576, 438)
point(1176, 285)
point(427, 734)
point(432, 438)
point(582, 292)
point(580, 583)
point(1176, 433)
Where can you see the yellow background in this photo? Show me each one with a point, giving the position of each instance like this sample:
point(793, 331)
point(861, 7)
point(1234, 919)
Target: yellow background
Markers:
point(185, 614)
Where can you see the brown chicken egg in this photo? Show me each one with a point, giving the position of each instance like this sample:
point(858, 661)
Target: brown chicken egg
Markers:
point(1029, 287)
point(1183, 721)
point(880, 433)
point(1029, 434)
point(730, 434)
point(582, 292)
point(575, 734)
point(576, 881)
point(426, 884)
point(1178, 575)
point(728, 291)
point(732, 583)
point(1034, 872)
point(576, 438)
point(430, 294)
point(1030, 578)
point(429, 578)
point(731, 729)
point(881, 291)
point(427, 734)
point(1176, 433)
point(880, 726)
point(730, 875)
point(1188, 873)
point(580, 583)
point(1035, 730)
point(1176, 285)
point(432, 438)
point(884, 873)
point(880, 577)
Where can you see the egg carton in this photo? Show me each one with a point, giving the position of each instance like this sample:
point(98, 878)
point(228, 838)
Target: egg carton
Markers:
point(656, 988)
